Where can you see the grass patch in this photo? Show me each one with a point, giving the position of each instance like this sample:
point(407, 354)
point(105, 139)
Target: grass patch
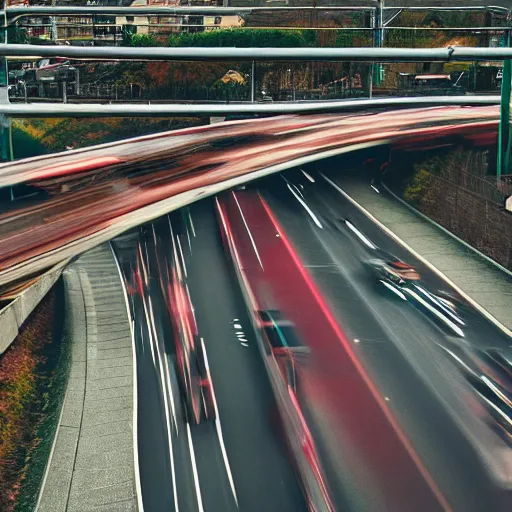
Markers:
point(33, 377)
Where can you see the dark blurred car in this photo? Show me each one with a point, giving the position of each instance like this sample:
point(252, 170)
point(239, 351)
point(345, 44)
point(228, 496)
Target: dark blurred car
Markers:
point(489, 372)
point(392, 269)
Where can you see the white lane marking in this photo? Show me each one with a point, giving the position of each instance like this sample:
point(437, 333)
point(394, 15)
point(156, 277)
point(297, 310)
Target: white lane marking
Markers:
point(218, 426)
point(182, 257)
point(151, 326)
point(248, 231)
point(135, 440)
point(173, 408)
point(440, 303)
point(434, 269)
point(142, 263)
point(191, 222)
point(498, 393)
point(305, 206)
point(435, 312)
point(375, 188)
point(147, 259)
point(393, 289)
point(141, 335)
point(149, 331)
point(188, 238)
point(360, 235)
point(154, 234)
point(237, 326)
point(308, 176)
point(164, 381)
point(194, 470)
point(174, 251)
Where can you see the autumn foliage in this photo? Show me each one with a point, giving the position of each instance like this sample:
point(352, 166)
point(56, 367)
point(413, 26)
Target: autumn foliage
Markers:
point(26, 373)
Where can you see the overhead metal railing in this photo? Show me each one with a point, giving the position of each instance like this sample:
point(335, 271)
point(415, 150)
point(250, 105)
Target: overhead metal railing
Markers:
point(14, 13)
point(55, 110)
point(451, 53)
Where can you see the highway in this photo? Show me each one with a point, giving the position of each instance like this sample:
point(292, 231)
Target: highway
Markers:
point(401, 344)
point(239, 461)
point(236, 462)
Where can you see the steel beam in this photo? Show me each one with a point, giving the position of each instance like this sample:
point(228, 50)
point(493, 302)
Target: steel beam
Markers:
point(455, 53)
point(172, 110)
point(249, 54)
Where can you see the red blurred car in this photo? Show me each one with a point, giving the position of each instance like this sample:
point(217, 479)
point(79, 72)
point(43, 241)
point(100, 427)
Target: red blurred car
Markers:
point(193, 373)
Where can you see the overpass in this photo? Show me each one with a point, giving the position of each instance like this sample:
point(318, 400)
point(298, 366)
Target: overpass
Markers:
point(388, 393)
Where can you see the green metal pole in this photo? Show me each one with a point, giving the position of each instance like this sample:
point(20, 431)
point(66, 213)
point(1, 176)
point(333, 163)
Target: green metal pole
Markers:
point(504, 135)
point(6, 152)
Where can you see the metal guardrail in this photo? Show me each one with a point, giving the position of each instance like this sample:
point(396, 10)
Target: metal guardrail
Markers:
point(177, 109)
point(451, 53)
point(14, 13)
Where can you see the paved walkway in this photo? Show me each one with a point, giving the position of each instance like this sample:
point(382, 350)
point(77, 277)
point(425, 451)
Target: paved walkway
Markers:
point(477, 277)
point(92, 464)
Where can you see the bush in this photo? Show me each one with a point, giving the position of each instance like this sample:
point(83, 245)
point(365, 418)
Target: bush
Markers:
point(418, 187)
point(143, 40)
point(25, 145)
point(244, 38)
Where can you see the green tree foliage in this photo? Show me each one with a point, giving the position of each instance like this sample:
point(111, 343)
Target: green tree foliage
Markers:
point(143, 40)
point(418, 187)
point(245, 38)
point(25, 145)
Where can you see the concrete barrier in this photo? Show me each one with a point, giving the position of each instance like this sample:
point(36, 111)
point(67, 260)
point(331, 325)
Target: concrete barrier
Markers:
point(13, 316)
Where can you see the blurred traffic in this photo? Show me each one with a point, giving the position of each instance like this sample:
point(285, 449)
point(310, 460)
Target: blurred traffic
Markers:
point(57, 206)
point(288, 335)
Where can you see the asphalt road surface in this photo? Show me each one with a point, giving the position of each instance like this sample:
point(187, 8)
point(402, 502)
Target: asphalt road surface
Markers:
point(399, 343)
point(237, 462)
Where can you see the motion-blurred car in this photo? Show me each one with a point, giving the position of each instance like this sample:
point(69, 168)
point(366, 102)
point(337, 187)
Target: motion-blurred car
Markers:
point(393, 270)
point(281, 340)
point(489, 372)
point(194, 378)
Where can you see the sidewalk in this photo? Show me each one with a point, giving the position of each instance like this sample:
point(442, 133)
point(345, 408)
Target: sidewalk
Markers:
point(92, 463)
point(480, 280)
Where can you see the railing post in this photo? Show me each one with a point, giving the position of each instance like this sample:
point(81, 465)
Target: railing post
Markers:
point(253, 81)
